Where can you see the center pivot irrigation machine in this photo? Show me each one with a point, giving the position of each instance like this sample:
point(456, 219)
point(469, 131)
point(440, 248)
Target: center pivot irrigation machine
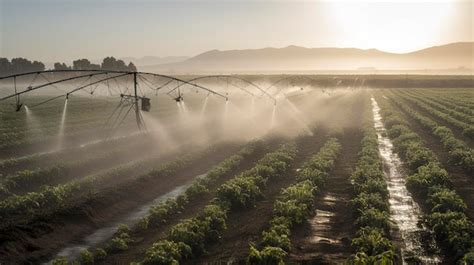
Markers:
point(89, 80)
point(131, 88)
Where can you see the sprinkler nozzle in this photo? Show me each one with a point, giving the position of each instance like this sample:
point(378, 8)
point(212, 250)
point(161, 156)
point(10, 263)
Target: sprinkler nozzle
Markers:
point(18, 107)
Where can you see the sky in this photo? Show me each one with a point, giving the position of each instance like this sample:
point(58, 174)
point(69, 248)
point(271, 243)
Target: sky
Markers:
point(63, 30)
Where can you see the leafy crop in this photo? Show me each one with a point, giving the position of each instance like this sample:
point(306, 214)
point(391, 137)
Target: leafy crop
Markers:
point(189, 237)
point(372, 242)
point(431, 182)
point(293, 206)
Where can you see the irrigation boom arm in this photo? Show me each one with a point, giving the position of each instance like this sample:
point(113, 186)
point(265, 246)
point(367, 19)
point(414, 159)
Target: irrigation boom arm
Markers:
point(228, 76)
point(92, 73)
point(49, 84)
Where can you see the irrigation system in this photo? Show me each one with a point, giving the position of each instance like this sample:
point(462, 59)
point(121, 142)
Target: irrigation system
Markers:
point(137, 101)
point(89, 80)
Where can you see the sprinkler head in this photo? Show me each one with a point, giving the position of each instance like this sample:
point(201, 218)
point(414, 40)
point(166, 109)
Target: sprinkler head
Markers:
point(18, 107)
point(179, 98)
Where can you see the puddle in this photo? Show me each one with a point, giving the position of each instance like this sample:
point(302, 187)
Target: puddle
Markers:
point(73, 251)
point(404, 211)
point(322, 222)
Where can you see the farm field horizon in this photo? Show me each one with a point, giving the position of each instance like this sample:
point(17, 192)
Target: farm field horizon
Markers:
point(250, 132)
point(260, 169)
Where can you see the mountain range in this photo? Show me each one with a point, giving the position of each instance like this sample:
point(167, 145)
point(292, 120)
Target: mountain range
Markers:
point(450, 57)
point(154, 60)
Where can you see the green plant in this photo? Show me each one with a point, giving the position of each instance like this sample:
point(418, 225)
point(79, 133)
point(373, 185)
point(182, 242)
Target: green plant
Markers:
point(267, 256)
point(166, 252)
point(87, 258)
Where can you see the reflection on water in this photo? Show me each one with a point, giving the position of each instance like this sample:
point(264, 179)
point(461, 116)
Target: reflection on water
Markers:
point(322, 221)
point(404, 211)
point(72, 252)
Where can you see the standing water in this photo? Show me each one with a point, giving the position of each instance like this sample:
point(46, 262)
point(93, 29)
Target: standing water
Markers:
point(404, 211)
point(101, 235)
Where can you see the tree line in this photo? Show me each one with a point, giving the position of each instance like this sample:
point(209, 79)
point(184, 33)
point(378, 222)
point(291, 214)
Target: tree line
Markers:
point(22, 65)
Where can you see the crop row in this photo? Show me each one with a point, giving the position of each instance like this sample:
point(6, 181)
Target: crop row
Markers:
point(83, 112)
point(467, 118)
point(451, 104)
point(294, 205)
point(49, 200)
point(18, 141)
point(372, 243)
point(449, 95)
point(28, 180)
point(467, 130)
point(459, 154)
point(189, 237)
point(160, 213)
point(80, 108)
point(461, 102)
point(21, 137)
point(31, 161)
point(51, 121)
point(431, 183)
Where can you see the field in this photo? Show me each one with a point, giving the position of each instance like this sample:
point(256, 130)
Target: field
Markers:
point(340, 169)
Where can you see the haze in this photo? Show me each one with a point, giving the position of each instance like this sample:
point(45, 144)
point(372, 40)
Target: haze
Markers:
point(54, 30)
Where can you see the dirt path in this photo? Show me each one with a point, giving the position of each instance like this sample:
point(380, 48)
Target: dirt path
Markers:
point(326, 237)
point(247, 225)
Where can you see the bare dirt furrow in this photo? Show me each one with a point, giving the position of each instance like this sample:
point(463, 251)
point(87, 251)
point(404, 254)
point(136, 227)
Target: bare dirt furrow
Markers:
point(326, 237)
point(247, 225)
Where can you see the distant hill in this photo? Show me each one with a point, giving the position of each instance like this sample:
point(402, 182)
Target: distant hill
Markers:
point(154, 60)
point(455, 56)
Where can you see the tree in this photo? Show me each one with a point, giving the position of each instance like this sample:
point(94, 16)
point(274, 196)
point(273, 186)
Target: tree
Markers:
point(84, 64)
point(22, 65)
point(5, 66)
point(110, 63)
point(61, 66)
point(132, 67)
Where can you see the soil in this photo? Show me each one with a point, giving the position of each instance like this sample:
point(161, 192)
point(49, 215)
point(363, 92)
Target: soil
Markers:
point(456, 130)
point(463, 183)
point(40, 239)
point(246, 225)
point(142, 240)
point(326, 236)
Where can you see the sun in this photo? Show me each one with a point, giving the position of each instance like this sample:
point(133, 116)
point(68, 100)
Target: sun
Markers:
point(390, 26)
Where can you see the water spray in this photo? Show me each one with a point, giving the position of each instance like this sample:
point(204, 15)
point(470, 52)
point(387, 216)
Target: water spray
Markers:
point(62, 124)
point(203, 109)
point(272, 124)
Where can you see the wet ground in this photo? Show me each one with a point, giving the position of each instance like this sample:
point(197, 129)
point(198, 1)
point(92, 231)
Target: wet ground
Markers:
point(404, 211)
